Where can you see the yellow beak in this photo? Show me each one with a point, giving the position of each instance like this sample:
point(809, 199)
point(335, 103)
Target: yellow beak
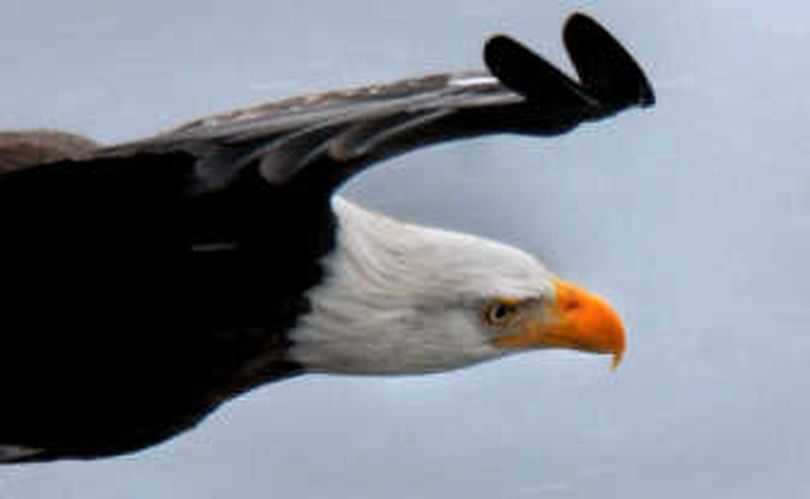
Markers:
point(578, 319)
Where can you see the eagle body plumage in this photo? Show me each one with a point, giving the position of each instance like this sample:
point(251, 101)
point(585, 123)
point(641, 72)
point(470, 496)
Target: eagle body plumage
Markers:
point(157, 310)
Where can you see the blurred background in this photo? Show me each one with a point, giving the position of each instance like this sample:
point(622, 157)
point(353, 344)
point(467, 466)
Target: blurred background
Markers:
point(693, 218)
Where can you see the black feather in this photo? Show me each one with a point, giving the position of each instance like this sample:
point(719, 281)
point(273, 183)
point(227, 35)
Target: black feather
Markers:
point(606, 70)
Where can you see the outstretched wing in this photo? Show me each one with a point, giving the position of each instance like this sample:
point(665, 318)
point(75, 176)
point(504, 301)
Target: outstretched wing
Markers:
point(335, 135)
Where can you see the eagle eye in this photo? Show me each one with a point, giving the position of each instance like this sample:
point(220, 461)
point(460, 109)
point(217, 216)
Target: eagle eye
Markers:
point(498, 312)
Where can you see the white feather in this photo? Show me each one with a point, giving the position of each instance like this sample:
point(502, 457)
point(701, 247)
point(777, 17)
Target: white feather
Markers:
point(473, 80)
point(15, 452)
point(401, 298)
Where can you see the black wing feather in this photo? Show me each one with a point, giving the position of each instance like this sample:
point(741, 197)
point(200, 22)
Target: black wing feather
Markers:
point(607, 71)
point(531, 76)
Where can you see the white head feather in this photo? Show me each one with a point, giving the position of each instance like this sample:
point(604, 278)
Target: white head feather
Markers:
point(401, 298)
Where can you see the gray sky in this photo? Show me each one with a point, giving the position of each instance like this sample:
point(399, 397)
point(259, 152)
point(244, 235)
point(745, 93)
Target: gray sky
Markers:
point(692, 218)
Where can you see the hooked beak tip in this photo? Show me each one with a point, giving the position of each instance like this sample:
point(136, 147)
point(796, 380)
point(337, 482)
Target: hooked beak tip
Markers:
point(590, 322)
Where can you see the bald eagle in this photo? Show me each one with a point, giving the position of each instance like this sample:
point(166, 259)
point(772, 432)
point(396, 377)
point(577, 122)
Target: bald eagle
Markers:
point(146, 283)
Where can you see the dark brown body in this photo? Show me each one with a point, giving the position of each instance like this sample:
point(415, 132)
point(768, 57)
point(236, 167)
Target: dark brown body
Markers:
point(125, 314)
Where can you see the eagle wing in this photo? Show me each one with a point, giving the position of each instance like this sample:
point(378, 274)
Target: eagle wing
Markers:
point(335, 135)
